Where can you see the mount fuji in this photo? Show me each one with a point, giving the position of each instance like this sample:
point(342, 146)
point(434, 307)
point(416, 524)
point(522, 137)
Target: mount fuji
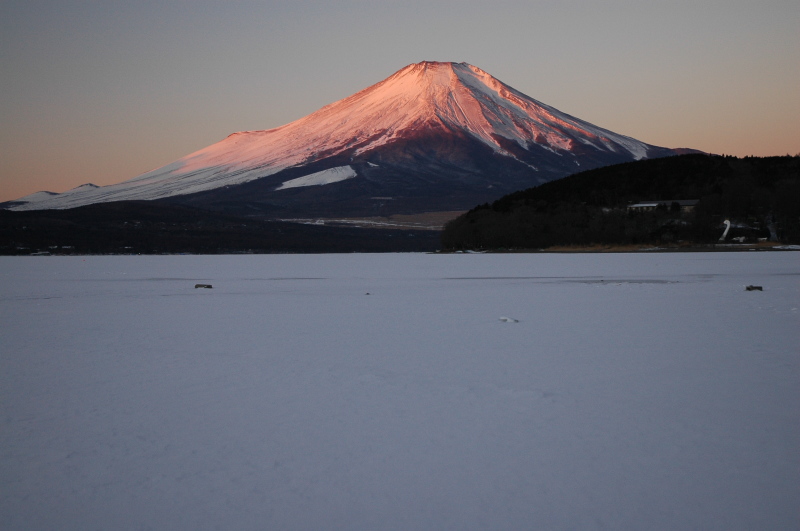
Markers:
point(434, 136)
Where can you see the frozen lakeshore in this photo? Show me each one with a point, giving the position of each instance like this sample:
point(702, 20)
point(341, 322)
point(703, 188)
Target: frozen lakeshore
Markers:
point(385, 392)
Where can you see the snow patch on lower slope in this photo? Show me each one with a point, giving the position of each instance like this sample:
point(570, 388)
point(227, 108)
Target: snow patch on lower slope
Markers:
point(329, 176)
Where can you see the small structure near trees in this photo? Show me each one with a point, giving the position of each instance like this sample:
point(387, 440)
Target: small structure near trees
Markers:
point(676, 205)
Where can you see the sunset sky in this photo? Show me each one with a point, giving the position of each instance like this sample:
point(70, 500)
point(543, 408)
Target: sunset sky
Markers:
point(101, 92)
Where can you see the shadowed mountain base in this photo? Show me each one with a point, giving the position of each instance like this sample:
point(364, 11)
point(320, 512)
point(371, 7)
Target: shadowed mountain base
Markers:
point(143, 227)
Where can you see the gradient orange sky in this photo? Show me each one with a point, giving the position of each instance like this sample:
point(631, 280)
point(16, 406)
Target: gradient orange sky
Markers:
point(101, 92)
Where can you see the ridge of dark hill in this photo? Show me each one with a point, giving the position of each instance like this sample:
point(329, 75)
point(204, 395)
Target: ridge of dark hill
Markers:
point(146, 227)
point(760, 196)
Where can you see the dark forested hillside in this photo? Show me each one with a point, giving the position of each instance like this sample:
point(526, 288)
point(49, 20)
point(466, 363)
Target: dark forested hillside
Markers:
point(760, 197)
point(146, 227)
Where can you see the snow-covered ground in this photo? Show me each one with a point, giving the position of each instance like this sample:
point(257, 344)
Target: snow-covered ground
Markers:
point(385, 392)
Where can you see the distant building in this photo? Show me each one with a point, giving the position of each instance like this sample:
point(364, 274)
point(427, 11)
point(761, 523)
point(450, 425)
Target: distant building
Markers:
point(685, 205)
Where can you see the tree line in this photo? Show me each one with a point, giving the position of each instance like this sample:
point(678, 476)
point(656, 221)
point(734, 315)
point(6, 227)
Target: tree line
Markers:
point(759, 195)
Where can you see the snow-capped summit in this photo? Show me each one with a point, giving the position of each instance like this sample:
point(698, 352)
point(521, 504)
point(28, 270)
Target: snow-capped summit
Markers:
point(462, 96)
point(433, 136)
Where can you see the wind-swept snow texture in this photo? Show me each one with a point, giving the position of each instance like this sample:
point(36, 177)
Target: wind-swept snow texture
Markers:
point(421, 99)
point(385, 392)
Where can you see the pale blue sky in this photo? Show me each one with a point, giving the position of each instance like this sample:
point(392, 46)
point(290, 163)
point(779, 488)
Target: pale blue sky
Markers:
point(101, 91)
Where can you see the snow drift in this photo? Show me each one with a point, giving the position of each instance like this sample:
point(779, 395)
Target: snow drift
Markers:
point(634, 392)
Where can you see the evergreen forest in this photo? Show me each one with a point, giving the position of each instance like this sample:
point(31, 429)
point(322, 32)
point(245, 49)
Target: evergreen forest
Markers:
point(760, 197)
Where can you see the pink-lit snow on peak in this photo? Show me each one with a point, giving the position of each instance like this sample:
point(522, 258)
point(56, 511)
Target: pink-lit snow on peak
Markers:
point(458, 96)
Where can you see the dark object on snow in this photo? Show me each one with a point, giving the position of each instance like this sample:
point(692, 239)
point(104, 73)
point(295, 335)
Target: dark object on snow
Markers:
point(207, 286)
point(754, 288)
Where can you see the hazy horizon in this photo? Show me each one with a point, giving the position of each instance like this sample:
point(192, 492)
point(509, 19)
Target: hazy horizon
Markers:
point(103, 94)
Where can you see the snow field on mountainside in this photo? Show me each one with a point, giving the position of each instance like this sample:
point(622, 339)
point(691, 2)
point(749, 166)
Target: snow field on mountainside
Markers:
point(619, 391)
point(333, 175)
point(425, 97)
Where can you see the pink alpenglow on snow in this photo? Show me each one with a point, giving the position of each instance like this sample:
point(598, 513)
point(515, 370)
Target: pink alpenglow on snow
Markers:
point(437, 99)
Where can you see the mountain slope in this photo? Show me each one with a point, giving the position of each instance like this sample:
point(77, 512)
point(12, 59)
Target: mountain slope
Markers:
point(432, 135)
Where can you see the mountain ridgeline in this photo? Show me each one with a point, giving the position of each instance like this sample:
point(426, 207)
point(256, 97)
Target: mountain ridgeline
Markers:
point(433, 136)
point(759, 196)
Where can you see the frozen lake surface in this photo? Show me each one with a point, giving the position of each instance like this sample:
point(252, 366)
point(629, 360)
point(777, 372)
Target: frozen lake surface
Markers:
point(636, 391)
